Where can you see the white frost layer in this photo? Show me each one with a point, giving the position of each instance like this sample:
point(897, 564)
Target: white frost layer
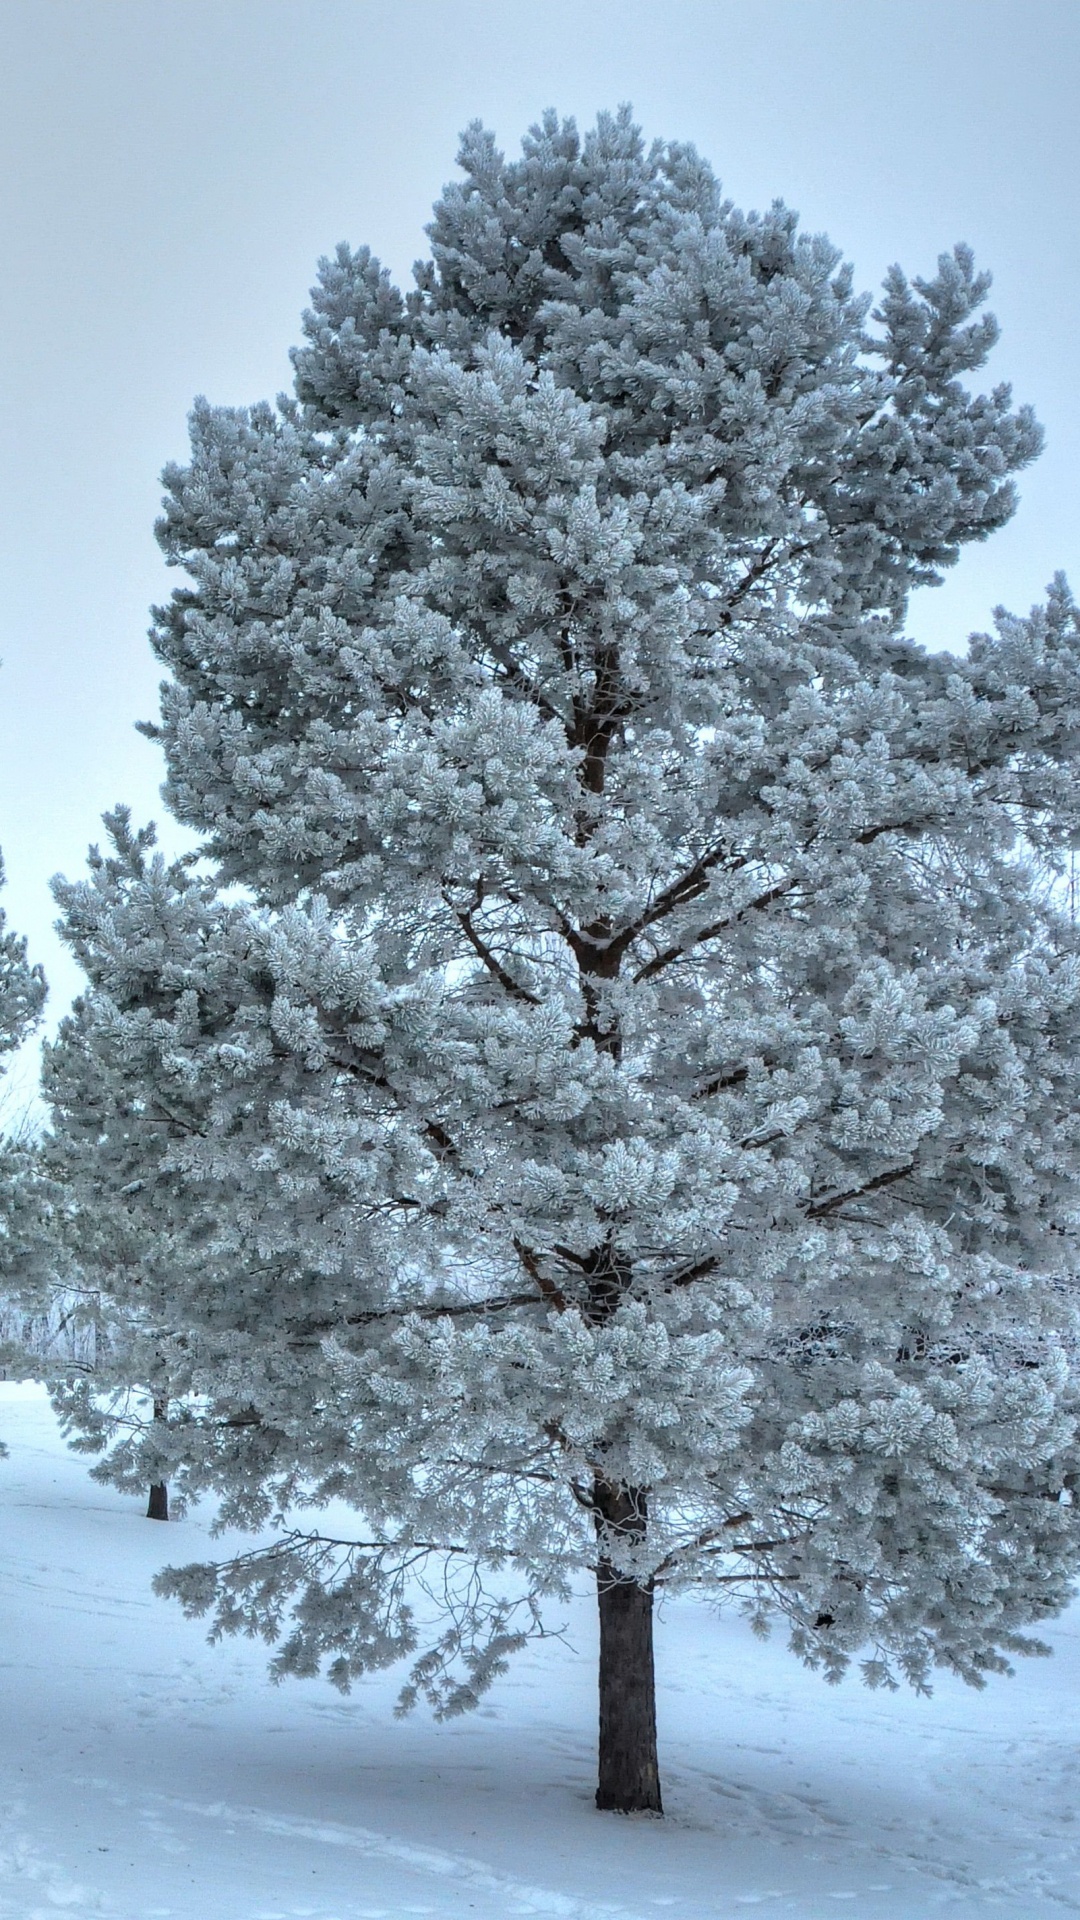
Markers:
point(144, 1775)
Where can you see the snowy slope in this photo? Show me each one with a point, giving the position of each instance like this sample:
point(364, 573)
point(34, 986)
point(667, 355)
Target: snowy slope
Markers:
point(144, 1774)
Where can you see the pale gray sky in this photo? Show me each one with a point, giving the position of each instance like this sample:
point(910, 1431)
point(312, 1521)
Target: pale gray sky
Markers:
point(171, 172)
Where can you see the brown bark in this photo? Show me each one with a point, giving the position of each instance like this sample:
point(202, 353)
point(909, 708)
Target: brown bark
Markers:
point(158, 1504)
point(629, 1773)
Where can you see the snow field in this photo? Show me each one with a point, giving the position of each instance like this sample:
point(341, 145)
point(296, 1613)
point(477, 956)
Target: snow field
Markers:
point(147, 1776)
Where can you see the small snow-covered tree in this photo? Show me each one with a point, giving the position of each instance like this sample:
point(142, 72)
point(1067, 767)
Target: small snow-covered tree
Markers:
point(620, 1111)
point(122, 1231)
point(22, 995)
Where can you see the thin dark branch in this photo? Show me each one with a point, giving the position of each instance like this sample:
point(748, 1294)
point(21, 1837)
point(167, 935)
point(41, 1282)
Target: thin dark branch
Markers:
point(168, 1118)
point(761, 1546)
point(700, 1271)
point(822, 1207)
point(429, 1310)
point(295, 1542)
point(349, 1060)
point(700, 1540)
point(516, 675)
point(758, 1576)
point(574, 1259)
point(819, 1210)
point(681, 891)
point(722, 1082)
point(530, 1261)
point(494, 966)
point(694, 882)
point(757, 572)
point(682, 947)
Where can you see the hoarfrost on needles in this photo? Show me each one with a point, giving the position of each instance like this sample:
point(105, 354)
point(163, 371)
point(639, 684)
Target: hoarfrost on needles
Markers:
point(607, 1098)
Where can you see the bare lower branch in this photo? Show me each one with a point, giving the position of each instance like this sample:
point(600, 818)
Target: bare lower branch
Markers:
point(700, 1540)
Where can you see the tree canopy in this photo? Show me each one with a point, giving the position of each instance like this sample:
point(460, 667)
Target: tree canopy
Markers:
point(607, 1099)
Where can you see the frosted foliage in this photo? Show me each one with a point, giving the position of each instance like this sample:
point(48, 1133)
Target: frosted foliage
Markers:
point(622, 1049)
point(22, 987)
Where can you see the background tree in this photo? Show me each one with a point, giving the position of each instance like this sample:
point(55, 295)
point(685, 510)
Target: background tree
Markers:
point(22, 1196)
point(626, 1089)
point(124, 1228)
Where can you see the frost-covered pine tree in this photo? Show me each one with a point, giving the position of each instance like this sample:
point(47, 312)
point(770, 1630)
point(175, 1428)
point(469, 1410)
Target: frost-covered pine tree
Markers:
point(619, 1111)
point(120, 1231)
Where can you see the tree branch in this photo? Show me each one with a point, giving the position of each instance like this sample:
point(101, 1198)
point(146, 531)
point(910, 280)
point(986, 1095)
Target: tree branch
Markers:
point(349, 1060)
point(703, 1539)
point(463, 916)
point(722, 1082)
point(530, 1261)
point(750, 578)
point(517, 677)
point(823, 1207)
point(680, 948)
point(679, 892)
point(430, 1310)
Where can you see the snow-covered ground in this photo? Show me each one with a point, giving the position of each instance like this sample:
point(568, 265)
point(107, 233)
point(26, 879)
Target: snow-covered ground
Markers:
point(144, 1774)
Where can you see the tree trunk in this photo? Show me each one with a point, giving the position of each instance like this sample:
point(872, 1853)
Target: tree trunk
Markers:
point(629, 1771)
point(158, 1504)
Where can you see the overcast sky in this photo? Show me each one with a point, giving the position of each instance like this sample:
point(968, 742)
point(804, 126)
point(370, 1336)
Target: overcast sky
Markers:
point(171, 173)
